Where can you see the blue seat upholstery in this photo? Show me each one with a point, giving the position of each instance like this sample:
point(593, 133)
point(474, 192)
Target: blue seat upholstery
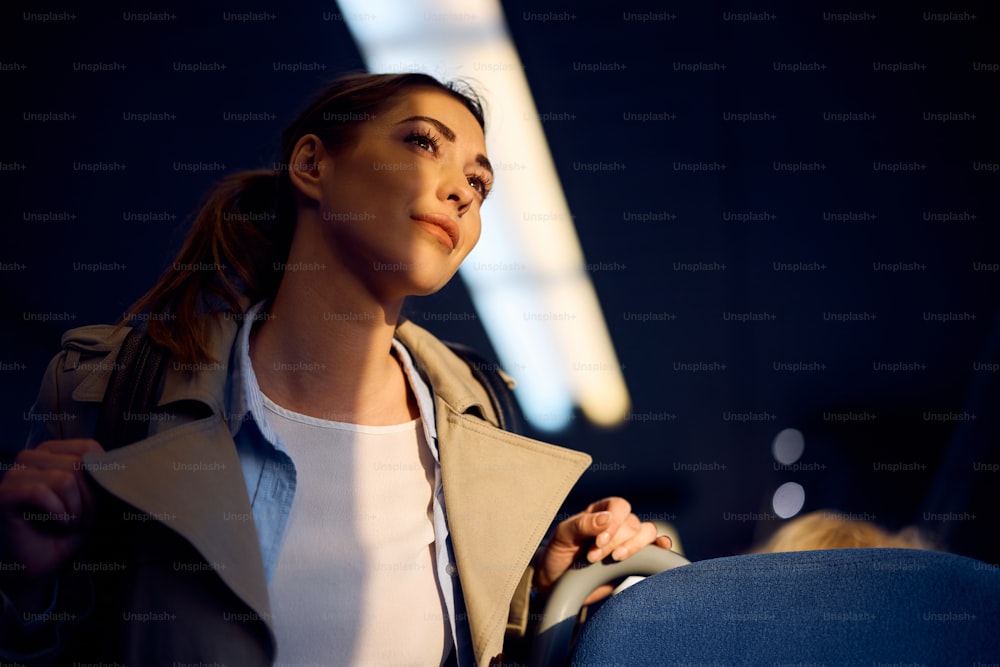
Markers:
point(836, 607)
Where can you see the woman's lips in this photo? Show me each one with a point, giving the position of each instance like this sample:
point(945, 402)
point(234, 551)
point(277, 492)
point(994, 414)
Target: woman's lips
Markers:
point(441, 225)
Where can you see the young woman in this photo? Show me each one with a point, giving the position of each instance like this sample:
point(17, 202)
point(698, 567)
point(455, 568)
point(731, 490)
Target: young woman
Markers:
point(323, 482)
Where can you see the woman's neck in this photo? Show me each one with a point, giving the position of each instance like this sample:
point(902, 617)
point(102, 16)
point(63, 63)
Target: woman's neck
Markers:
point(325, 350)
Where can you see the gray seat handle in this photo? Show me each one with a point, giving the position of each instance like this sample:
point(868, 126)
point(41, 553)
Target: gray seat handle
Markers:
point(555, 632)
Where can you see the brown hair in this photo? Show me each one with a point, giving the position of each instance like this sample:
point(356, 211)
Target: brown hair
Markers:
point(238, 245)
point(831, 530)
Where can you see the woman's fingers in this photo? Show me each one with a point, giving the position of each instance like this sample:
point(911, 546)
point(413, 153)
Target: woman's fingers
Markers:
point(46, 497)
point(46, 505)
point(59, 465)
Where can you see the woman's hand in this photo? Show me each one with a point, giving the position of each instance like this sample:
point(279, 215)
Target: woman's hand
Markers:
point(606, 527)
point(46, 508)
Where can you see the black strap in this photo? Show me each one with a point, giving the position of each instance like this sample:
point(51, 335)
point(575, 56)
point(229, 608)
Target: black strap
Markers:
point(132, 391)
point(135, 381)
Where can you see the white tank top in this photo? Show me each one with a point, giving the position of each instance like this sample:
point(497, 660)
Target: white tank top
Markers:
point(355, 582)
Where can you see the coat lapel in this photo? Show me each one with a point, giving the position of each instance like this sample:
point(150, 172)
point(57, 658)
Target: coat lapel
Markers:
point(189, 478)
point(501, 490)
point(501, 493)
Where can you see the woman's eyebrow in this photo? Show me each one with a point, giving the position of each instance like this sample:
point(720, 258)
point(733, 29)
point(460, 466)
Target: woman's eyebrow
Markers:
point(449, 134)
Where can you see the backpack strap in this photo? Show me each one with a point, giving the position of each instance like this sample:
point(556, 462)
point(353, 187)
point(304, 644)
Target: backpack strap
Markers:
point(132, 390)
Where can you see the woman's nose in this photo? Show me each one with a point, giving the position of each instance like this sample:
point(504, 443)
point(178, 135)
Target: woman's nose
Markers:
point(457, 190)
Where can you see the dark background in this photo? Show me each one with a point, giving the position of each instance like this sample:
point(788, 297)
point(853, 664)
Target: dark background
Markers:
point(683, 456)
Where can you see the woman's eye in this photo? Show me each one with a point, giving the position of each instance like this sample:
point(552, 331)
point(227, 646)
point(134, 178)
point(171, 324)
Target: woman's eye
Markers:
point(480, 185)
point(424, 141)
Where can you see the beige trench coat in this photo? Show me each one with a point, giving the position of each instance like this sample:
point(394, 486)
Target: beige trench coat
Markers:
point(195, 588)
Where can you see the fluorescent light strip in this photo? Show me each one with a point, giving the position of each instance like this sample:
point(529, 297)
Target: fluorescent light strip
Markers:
point(542, 315)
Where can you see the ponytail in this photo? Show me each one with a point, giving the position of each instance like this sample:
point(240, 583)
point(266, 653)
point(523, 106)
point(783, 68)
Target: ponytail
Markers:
point(235, 252)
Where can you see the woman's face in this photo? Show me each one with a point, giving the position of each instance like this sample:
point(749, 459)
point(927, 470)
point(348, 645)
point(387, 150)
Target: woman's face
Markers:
point(400, 206)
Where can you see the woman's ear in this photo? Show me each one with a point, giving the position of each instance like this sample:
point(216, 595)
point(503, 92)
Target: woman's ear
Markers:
point(306, 165)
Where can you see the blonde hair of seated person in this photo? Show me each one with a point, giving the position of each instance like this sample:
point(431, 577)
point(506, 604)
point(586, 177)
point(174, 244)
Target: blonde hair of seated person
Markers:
point(830, 530)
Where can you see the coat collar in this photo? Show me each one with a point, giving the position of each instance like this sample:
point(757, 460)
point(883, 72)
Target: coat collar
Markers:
point(501, 490)
point(449, 377)
point(204, 382)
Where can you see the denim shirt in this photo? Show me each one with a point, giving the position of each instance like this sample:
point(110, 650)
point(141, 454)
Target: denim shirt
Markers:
point(270, 476)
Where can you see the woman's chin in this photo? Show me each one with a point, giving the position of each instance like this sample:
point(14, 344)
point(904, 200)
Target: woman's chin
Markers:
point(415, 279)
point(429, 286)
